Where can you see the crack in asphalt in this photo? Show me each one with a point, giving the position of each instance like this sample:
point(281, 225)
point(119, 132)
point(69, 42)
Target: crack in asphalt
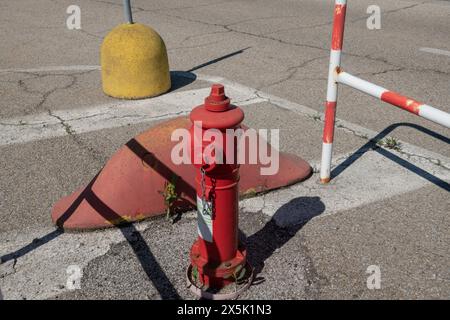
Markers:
point(376, 73)
point(256, 95)
point(65, 125)
point(45, 94)
point(141, 9)
point(21, 124)
point(228, 28)
point(292, 71)
point(202, 34)
point(90, 34)
point(94, 153)
point(330, 22)
point(194, 46)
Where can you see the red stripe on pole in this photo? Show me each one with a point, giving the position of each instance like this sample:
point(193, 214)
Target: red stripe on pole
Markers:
point(330, 113)
point(338, 27)
point(400, 101)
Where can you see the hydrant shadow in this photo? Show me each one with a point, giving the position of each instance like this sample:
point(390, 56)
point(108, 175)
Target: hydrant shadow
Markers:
point(284, 225)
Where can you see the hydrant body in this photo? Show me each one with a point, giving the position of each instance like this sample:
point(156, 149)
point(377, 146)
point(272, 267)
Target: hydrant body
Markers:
point(216, 255)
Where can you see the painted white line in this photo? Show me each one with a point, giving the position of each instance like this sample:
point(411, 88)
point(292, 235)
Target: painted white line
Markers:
point(112, 115)
point(121, 113)
point(436, 51)
point(52, 69)
point(81, 120)
point(41, 273)
point(349, 190)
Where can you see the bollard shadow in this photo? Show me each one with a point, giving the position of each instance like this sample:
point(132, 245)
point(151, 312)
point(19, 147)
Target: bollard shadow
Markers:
point(372, 145)
point(180, 79)
point(229, 55)
point(284, 225)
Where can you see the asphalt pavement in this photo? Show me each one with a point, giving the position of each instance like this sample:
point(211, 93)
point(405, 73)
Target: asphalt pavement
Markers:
point(386, 208)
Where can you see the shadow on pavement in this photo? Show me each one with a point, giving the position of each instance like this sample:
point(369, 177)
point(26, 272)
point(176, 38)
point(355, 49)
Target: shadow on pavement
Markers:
point(140, 248)
point(292, 216)
point(229, 55)
point(36, 243)
point(372, 145)
point(180, 79)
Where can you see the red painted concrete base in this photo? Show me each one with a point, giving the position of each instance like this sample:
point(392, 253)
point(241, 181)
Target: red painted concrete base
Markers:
point(130, 186)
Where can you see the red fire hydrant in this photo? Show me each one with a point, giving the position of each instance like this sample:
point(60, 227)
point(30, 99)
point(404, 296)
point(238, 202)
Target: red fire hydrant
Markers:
point(217, 257)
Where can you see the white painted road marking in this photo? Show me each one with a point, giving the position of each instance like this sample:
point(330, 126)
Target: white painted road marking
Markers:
point(59, 123)
point(348, 191)
point(52, 69)
point(121, 113)
point(436, 51)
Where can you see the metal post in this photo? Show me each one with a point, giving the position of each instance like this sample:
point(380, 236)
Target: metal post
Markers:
point(127, 10)
point(332, 89)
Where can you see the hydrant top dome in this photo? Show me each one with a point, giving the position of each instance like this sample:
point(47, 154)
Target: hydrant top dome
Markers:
point(217, 112)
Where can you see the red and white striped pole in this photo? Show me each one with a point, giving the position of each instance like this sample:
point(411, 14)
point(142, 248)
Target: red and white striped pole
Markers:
point(405, 103)
point(336, 75)
point(332, 89)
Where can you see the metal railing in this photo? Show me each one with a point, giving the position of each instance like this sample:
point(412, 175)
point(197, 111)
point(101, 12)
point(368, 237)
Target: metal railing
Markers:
point(336, 76)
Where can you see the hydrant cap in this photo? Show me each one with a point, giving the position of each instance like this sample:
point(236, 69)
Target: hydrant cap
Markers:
point(217, 101)
point(217, 112)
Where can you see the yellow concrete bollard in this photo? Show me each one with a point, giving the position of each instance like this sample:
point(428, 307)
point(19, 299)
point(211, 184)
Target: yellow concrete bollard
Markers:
point(134, 62)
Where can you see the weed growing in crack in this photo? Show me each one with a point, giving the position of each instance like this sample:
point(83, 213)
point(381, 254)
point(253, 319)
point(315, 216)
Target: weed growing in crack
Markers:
point(170, 196)
point(390, 143)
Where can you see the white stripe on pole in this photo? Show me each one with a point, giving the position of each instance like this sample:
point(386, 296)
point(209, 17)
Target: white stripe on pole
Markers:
point(335, 61)
point(360, 84)
point(435, 115)
point(341, 2)
point(325, 166)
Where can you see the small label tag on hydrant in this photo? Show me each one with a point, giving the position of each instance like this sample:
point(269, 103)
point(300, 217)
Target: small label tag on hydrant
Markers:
point(204, 221)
